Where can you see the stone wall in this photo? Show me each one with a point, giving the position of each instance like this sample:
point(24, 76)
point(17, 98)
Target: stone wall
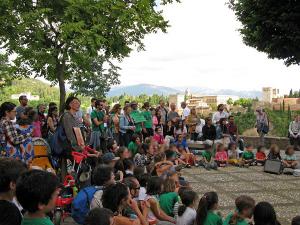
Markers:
point(282, 142)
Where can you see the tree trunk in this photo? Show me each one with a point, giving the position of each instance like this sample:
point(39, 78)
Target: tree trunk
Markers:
point(62, 89)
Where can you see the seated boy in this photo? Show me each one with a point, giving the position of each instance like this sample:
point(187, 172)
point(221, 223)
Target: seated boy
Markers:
point(207, 158)
point(10, 170)
point(248, 156)
point(37, 192)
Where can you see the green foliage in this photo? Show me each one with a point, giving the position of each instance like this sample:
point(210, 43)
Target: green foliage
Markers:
point(75, 40)
point(244, 102)
point(245, 121)
point(280, 122)
point(270, 26)
point(230, 101)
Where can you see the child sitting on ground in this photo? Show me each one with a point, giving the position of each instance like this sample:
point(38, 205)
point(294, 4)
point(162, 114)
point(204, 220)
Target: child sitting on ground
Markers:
point(248, 156)
point(10, 170)
point(134, 145)
point(207, 158)
point(206, 212)
point(187, 211)
point(274, 153)
point(37, 192)
point(158, 136)
point(233, 155)
point(161, 166)
point(260, 156)
point(140, 159)
point(221, 156)
point(290, 159)
point(169, 198)
point(244, 209)
point(98, 216)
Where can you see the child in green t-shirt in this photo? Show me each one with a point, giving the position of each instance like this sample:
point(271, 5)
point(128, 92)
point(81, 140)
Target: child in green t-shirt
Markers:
point(206, 213)
point(37, 192)
point(208, 161)
point(244, 210)
point(134, 145)
point(169, 198)
point(248, 158)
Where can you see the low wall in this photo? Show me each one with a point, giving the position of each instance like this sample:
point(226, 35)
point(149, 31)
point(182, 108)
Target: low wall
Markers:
point(282, 142)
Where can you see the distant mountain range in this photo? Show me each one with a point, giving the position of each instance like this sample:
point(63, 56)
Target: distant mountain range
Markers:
point(150, 89)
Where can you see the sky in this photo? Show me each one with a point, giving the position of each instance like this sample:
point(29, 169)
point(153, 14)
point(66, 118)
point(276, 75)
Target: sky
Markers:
point(203, 48)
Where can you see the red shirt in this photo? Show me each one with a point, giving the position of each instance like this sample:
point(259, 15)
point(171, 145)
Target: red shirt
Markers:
point(159, 138)
point(260, 156)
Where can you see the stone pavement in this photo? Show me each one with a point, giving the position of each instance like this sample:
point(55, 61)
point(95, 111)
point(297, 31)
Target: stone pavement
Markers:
point(282, 191)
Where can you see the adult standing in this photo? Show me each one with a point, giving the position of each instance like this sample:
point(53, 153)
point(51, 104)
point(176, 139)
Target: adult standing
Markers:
point(173, 116)
point(9, 136)
point(115, 122)
point(163, 111)
point(91, 109)
point(186, 111)
point(69, 121)
point(23, 100)
point(233, 132)
point(52, 120)
point(294, 132)
point(97, 117)
point(148, 124)
point(41, 109)
point(136, 115)
point(127, 127)
point(221, 113)
point(192, 120)
point(262, 124)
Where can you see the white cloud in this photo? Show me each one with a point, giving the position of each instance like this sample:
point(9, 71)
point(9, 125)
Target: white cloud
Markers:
point(203, 48)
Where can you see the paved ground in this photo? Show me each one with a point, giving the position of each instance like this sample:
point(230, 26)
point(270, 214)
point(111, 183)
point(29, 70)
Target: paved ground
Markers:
point(283, 191)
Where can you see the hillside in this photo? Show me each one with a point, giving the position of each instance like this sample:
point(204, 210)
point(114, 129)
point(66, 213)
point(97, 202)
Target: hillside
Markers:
point(139, 89)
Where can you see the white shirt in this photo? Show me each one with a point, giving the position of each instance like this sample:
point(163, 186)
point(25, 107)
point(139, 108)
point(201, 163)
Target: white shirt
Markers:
point(185, 113)
point(142, 194)
point(219, 115)
point(187, 218)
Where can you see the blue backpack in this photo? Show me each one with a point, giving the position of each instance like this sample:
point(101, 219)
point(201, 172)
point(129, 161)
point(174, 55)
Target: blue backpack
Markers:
point(81, 203)
point(59, 142)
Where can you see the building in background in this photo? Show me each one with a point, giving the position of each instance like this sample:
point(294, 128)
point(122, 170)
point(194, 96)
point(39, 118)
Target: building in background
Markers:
point(286, 103)
point(177, 99)
point(219, 99)
point(268, 93)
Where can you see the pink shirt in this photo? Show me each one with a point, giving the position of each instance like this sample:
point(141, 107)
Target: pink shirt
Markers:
point(221, 156)
point(36, 129)
point(159, 138)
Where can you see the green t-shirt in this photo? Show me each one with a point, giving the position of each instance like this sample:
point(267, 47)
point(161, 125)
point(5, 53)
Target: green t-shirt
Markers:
point(99, 115)
point(167, 202)
point(133, 148)
point(137, 115)
point(213, 219)
point(239, 222)
point(148, 117)
point(36, 221)
point(207, 155)
point(248, 155)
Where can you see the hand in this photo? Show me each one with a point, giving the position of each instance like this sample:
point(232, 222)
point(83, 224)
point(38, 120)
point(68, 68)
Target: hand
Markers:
point(133, 204)
point(145, 206)
point(145, 130)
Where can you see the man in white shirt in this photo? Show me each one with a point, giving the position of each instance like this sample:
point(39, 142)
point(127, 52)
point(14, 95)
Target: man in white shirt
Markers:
point(186, 111)
point(91, 108)
point(220, 114)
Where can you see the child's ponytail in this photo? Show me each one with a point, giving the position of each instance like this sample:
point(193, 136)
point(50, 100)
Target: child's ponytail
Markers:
point(206, 203)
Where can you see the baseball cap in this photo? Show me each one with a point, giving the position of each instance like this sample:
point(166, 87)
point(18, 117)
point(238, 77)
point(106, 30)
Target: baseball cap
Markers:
point(109, 156)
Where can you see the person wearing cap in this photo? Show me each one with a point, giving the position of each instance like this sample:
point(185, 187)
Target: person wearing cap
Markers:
point(110, 159)
point(148, 124)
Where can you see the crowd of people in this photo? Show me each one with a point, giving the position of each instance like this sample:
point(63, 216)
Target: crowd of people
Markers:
point(136, 163)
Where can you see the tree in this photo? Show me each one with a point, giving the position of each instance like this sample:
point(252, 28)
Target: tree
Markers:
point(5, 77)
point(291, 93)
point(270, 26)
point(230, 101)
point(75, 40)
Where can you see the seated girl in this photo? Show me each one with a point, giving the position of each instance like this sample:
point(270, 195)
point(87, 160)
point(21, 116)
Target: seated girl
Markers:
point(180, 128)
point(206, 213)
point(233, 155)
point(155, 215)
point(161, 166)
point(134, 144)
point(260, 156)
point(274, 153)
point(158, 136)
point(244, 208)
point(140, 159)
point(221, 156)
point(169, 197)
point(290, 159)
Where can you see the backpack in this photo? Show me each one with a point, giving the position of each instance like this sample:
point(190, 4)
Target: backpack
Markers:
point(81, 203)
point(58, 141)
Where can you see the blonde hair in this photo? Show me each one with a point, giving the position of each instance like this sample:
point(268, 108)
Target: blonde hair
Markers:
point(274, 148)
